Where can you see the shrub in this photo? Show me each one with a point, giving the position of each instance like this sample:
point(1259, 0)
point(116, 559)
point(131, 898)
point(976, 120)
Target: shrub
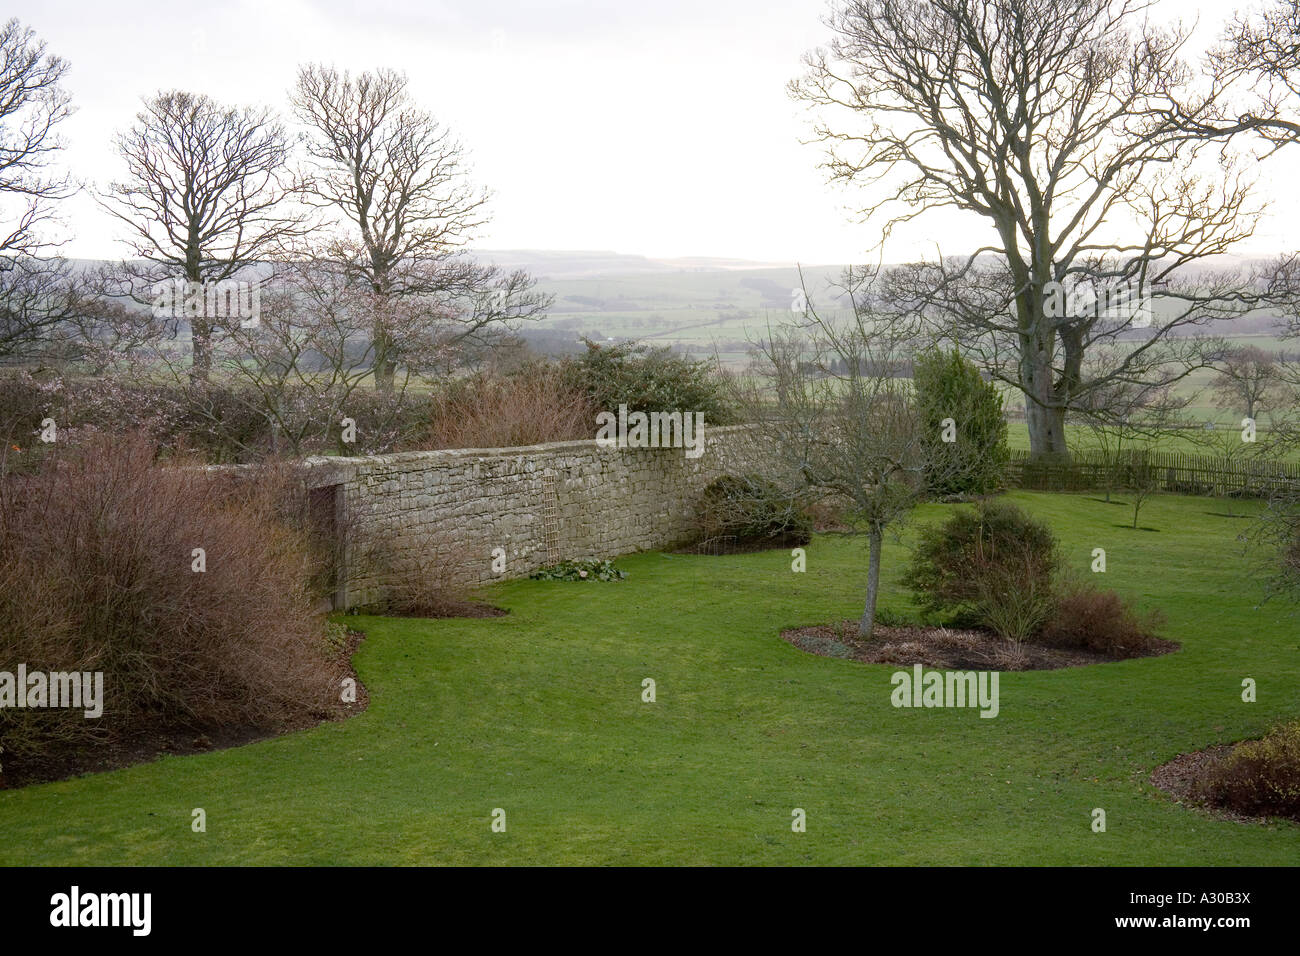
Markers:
point(992, 565)
point(96, 575)
point(753, 511)
point(1274, 537)
point(1086, 617)
point(218, 422)
point(833, 513)
point(949, 386)
point(221, 423)
point(426, 594)
point(536, 403)
point(580, 571)
point(385, 422)
point(1258, 777)
point(1015, 607)
point(81, 409)
point(648, 379)
point(980, 554)
point(434, 585)
point(243, 424)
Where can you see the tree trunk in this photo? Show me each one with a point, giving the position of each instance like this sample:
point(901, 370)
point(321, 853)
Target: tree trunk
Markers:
point(200, 323)
point(201, 349)
point(868, 623)
point(385, 368)
point(1046, 430)
point(1043, 414)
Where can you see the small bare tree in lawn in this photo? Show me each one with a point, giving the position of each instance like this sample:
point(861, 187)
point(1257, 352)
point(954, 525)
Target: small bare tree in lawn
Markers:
point(836, 417)
point(1244, 448)
point(1127, 420)
point(396, 186)
point(204, 200)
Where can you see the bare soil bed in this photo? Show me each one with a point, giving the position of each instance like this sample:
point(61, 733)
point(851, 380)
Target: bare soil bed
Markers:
point(949, 648)
point(1179, 778)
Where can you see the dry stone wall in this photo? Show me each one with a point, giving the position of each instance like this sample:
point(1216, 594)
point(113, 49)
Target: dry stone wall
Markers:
point(444, 512)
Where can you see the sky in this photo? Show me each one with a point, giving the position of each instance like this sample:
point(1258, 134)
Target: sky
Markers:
point(661, 129)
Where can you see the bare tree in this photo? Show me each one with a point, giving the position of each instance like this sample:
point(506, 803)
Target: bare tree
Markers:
point(836, 418)
point(1258, 59)
point(1128, 422)
point(304, 363)
point(1073, 129)
point(397, 183)
point(33, 104)
point(1247, 382)
point(38, 292)
point(1126, 418)
point(204, 202)
point(1252, 456)
point(42, 302)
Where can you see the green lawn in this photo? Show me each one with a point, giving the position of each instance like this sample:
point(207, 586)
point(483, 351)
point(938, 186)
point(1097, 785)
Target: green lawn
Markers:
point(540, 714)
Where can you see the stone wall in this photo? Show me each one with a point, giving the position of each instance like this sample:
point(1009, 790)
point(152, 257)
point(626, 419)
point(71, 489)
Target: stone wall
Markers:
point(444, 512)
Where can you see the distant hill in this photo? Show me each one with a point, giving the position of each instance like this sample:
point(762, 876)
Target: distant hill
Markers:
point(580, 264)
point(699, 305)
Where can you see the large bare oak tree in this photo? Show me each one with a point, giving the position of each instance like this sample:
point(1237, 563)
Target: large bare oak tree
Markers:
point(1075, 131)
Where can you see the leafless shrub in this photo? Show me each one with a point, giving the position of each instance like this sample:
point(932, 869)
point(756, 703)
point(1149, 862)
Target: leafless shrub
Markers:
point(98, 573)
point(529, 407)
point(1101, 621)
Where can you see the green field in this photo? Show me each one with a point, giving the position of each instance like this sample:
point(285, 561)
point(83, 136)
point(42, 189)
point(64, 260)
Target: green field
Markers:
point(1082, 439)
point(705, 312)
point(722, 310)
point(540, 714)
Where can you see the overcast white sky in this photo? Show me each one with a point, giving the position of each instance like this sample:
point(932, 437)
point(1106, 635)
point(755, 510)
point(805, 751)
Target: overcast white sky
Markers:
point(658, 128)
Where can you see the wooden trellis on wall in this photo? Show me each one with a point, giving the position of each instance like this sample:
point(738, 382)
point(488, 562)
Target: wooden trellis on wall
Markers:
point(550, 518)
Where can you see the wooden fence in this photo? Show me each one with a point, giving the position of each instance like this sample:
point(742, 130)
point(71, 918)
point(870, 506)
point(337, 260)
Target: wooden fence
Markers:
point(1178, 472)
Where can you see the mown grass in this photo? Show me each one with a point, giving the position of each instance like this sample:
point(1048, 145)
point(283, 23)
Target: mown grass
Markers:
point(540, 714)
